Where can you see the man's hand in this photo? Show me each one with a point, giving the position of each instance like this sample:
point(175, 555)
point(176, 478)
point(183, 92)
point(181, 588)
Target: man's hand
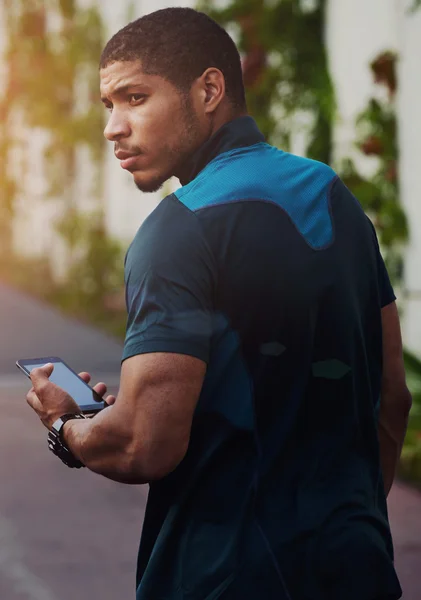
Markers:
point(100, 388)
point(50, 401)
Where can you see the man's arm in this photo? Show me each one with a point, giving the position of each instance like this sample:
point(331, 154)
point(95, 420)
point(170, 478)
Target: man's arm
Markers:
point(145, 434)
point(170, 276)
point(395, 397)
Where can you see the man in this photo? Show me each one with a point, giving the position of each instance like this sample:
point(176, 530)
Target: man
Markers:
point(262, 332)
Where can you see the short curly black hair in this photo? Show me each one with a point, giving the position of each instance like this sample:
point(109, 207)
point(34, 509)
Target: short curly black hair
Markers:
point(179, 44)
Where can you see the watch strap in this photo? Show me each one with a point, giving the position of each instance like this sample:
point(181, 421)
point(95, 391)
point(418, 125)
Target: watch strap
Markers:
point(58, 425)
point(57, 445)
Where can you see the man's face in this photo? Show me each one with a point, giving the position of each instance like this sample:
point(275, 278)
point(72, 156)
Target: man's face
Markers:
point(154, 128)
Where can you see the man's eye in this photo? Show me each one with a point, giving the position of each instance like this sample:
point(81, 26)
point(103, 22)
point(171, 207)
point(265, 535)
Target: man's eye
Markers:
point(135, 99)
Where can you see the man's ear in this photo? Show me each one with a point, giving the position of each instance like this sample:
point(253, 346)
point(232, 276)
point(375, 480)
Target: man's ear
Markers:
point(211, 87)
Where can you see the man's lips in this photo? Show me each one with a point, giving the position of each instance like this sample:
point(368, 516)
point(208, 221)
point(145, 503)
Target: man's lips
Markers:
point(126, 159)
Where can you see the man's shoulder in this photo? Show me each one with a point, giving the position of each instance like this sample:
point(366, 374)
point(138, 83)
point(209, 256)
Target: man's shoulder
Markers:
point(259, 172)
point(169, 215)
point(298, 188)
point(169, 229)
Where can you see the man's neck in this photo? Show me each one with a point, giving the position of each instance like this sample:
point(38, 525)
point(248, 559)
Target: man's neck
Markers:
point(239, 132)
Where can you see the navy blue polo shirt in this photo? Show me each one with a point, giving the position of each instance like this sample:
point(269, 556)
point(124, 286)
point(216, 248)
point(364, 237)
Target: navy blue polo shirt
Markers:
point(264, 266)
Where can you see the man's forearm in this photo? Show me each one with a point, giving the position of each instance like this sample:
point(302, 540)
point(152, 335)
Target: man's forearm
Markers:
point(393, 422)
point(390, 451)
point(103, 446)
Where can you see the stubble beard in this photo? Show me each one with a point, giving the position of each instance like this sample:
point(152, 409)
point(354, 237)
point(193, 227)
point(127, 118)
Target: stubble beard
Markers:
point(176, 155)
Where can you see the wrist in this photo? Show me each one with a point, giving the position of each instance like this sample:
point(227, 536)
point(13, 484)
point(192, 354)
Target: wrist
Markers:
point(66, 432)
point(73, 434)
point(57, 443)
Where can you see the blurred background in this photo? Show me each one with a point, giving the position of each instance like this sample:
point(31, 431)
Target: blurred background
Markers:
point(335, 80)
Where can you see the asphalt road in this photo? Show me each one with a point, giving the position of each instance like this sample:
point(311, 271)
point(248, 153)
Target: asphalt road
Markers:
point(69, 534)
point(64, 534)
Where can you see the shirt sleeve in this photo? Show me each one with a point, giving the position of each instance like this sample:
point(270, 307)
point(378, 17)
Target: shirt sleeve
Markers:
point(170, 277)
point(387, 294)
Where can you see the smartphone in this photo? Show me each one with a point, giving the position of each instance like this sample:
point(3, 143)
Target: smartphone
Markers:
point(87, 398)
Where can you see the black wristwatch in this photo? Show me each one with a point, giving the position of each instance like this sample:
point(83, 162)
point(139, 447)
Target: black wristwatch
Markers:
point(56, 443)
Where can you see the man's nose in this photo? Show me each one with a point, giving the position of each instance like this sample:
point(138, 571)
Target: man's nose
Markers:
point(117, 127)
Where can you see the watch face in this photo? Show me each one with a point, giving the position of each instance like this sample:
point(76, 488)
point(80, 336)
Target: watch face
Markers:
point(57, 425)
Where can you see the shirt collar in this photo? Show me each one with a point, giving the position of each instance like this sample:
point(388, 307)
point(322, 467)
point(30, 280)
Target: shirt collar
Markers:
point(238, 133)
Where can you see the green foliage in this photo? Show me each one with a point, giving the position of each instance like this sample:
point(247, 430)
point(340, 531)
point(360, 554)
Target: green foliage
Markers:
point(92, 291)
point(51, 80)
point(52, 84)
point(46, 68)
point(379, 195)
point(97, 266)
point(31, 275)
point(130, 12)
point(96, 274)
point(285, 65)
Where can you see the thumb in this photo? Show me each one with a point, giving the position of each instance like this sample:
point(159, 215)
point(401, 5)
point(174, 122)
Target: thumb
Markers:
point(41, 373)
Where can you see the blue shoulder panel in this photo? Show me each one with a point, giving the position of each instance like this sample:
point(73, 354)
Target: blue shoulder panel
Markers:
point(299, 186)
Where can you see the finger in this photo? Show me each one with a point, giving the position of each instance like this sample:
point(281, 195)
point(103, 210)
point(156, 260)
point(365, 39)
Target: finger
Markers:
point(33, 401)
point(40, 375)
point(110, 400)
point(100, 388)
point(85, 376)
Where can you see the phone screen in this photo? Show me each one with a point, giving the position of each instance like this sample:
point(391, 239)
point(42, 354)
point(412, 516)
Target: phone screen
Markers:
point(64, 377)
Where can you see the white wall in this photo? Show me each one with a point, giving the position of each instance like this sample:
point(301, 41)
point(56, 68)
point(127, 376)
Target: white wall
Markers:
point(409, 104)
point(357, 31)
